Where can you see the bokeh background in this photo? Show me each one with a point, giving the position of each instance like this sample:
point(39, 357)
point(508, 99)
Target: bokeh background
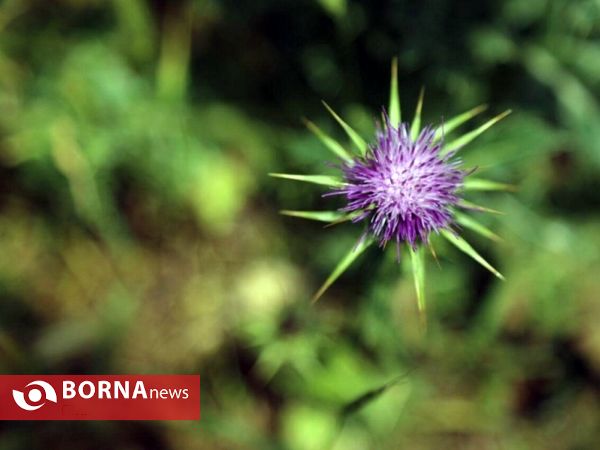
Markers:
point(139, 231)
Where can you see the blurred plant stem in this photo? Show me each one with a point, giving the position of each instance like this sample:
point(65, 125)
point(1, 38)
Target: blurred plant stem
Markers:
point(172, 76)
point(135, 28)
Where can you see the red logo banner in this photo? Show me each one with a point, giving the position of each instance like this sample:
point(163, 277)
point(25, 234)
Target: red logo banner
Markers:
point(99, 397)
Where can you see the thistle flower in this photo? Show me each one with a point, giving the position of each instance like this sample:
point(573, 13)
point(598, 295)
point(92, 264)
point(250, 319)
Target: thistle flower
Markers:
point(405, 186)
point(402, 186)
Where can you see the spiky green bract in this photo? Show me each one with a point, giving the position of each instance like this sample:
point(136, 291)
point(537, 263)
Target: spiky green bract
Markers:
point(362, 244)
point(362, 152)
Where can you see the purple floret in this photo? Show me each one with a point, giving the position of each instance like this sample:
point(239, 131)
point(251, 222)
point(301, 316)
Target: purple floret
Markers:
point(404, 188)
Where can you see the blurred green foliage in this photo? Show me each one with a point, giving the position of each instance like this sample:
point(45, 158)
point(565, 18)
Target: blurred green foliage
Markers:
point(139, 232)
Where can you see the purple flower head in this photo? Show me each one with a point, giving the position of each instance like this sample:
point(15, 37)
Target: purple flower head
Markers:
point(404, 187)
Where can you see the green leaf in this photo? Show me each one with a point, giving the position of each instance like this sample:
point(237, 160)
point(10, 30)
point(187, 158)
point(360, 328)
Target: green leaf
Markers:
point(394, 112)
point(320, 216)
point(358, 141)
point(416, 123)
point(465, 204)
point(457, 121)
point(364, 399)
point(333, 145)
point(479, 184)
point(465, 247)
point(418, 268)
point(468, 137)
point(350, 257)
point(325, 180)
point(473, 225)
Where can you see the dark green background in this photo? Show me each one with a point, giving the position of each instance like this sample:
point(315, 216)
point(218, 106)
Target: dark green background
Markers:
point(139, 231)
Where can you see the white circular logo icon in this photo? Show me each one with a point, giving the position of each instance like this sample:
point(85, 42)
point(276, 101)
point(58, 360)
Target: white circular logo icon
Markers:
point(31, 402)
